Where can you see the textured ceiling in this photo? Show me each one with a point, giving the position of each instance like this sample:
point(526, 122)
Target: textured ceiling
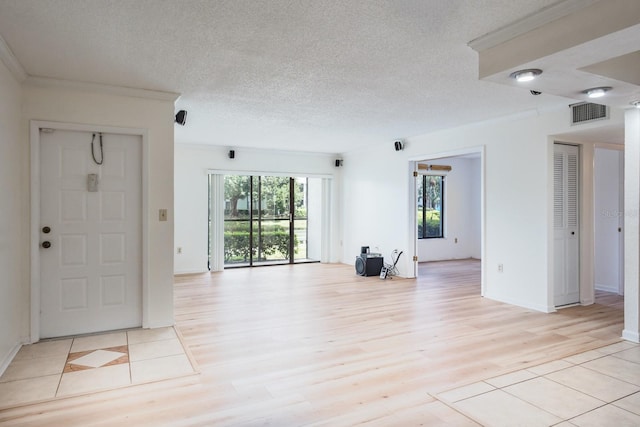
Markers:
point(312, 75)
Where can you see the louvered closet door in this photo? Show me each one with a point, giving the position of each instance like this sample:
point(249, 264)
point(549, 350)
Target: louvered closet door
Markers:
point(566, 221)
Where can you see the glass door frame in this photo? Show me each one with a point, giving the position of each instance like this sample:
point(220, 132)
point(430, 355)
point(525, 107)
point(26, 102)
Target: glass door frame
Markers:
point(323, 233)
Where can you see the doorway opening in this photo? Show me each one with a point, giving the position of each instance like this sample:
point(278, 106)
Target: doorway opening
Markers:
point(448, 200)
point(608, 178)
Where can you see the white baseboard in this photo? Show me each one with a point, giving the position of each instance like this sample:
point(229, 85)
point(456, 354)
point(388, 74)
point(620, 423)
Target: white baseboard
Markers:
point(633, 336)
point(159, 325)
point(4, 363)
point(523, 304)
point(607, 288)
point(183, 272)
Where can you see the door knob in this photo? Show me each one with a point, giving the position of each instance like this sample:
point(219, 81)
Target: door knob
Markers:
point(46, 244)
point(573, 233)
point(46, 230)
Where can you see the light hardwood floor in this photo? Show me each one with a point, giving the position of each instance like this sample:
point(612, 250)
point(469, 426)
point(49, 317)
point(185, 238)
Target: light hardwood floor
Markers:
point(316, 344)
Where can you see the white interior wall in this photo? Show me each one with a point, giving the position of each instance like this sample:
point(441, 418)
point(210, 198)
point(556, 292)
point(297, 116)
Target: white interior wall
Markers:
point(84, 107)
point(461, 213)
point(14, 221)
point(376, 203)
point(192, 163)
point(517, 200)
point(632, 225)
point(607, 218)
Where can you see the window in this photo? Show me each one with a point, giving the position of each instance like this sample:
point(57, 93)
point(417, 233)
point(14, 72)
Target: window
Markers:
point(431, 207)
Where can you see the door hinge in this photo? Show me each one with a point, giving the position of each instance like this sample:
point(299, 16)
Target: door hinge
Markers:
point(415, 174)
point(415, 258)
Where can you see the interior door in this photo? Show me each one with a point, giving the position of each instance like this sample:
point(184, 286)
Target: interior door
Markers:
point(90, 232)
point(566, 224)
point(608, 208)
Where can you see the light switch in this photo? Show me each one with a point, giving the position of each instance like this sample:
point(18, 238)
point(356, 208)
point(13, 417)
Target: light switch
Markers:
point(162, 215)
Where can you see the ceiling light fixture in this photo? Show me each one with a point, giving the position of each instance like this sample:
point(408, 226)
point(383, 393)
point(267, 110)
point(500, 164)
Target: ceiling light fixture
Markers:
point(635, 103)
point(522, 76)
point(597, 92)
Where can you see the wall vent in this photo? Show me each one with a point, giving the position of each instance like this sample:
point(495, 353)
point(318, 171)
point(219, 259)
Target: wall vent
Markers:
point(585, 112)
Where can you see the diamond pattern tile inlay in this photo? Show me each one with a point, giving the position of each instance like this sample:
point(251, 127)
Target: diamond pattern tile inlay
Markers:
point(98, 358)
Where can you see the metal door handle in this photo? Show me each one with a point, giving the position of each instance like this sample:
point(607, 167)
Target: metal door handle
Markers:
point(46, 244)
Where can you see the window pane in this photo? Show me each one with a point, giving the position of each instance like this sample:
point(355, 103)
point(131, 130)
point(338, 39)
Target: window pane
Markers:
point(300, 231)
point(271, 218)
point(236, 219)
point(430, 205)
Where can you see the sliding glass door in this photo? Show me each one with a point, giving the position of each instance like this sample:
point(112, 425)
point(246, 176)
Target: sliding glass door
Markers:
point(237, 220)
point(300, 226)
point(266, 220)
point(270, 220)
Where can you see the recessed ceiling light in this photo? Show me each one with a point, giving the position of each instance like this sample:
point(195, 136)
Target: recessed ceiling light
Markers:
point(522, 76)
point(597, 92)
point(635, 103)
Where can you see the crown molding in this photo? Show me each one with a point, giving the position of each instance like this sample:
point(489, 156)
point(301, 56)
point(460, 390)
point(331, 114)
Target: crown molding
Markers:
point(16, 69)
point(528, 23)
point(45, 82)
point(12, 63)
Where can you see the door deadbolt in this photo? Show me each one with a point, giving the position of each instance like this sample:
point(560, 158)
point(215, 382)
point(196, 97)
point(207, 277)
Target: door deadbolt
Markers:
point(46, 230)
point(46, 244)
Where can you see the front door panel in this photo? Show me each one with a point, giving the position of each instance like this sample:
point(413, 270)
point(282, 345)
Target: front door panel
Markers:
point(90, 269)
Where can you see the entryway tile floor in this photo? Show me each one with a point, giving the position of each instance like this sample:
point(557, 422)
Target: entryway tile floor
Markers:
point(65, 367)
point(596, 388)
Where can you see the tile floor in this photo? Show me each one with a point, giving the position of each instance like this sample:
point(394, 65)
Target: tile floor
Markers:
point(596, 388)
point(66, 367)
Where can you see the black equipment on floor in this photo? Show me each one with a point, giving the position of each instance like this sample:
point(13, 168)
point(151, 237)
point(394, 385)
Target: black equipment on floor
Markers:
point(368, 264)
point(390, 269)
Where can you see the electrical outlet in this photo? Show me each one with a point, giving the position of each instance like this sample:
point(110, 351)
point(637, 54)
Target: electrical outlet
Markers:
point(500, 268)
point(179, 250)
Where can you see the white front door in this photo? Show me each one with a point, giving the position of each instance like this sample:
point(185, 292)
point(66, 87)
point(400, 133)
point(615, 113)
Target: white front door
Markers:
point(91, 217)
point(566, 225)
